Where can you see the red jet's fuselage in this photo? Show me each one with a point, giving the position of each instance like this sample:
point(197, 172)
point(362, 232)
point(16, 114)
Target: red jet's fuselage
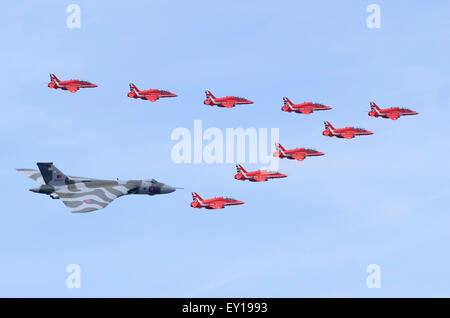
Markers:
point(214, 203)
point(298, 153)
point(72, 85)
point(303, 108)
point(346, 132)
point(227, 102)
point(393, 113)
point(151, 94)
point(256, 176)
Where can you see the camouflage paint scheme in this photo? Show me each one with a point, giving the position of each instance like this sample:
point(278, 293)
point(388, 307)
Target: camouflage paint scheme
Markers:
point(86, 194)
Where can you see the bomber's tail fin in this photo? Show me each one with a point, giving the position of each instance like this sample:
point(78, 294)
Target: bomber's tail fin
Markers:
point(287, 101)
point(52, 175)
point(240, 169)
point(209, 94)
point(133, 88)
point(53, 78)
point(328, 125)
point(196, 197)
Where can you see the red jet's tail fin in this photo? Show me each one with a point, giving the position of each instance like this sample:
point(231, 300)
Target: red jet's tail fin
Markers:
point(287, 101)
point(209, 94)
point(240, 169)
point(133, 88)
point(328, 125)
point(53, 78)
point(279, 147)
point(374, 106)
point(196, 197)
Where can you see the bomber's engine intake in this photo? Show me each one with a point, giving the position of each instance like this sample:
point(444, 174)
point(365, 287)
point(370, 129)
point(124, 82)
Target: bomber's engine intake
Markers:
point(53, 195)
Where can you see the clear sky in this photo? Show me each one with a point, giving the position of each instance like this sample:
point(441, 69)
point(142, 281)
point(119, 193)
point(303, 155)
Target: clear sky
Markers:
point(380, 199)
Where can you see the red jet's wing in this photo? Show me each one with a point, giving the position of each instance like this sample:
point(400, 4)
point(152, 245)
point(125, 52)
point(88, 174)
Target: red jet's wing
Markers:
point(228, 104)
point(151, 98)
point(72, 89)
point(393, 116)
point(306, 111)
point(348, 136)
point(260, 179)
point(299, 157)
point(216, 206)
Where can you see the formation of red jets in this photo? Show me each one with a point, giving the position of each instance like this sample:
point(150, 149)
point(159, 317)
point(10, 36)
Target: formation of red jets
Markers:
point(298, 154)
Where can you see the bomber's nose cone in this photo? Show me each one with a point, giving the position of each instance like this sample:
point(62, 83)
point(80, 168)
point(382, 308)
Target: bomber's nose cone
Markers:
point(167, 189)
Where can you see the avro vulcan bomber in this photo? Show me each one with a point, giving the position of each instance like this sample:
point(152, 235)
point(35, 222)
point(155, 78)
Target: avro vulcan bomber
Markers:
point(86, 194)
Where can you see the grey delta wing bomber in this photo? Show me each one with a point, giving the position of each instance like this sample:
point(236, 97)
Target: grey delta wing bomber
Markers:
point(87, 194)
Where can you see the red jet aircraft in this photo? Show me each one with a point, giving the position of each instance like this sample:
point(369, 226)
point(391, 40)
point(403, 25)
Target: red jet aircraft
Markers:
point(303, 108)
point(393, 113)
point(214, 203)
point(228, 101)
point(151, 94)
point(347, 132)
point(71, 85)
point(256, 176)
point(298, 153)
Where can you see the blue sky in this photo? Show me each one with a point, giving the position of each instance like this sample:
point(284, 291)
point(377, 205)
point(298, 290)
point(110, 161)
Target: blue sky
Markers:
point(381, 199)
